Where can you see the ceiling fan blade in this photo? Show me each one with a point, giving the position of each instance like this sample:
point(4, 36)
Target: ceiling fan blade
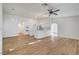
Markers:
point(55, 14)
point(56, 10)
point(49, 9)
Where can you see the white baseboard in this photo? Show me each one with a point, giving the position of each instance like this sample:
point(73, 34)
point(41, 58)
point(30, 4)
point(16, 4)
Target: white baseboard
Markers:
point(77, 38)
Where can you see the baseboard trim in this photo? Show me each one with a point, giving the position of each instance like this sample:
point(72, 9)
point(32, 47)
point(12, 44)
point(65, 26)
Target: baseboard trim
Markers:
point(44, 37)
point(69, 37)
point(13, 36)
point(9, 37)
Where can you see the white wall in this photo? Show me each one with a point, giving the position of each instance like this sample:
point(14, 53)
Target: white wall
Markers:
point(10, 25)
point(0, 28)
point(11, 22)
point(68, 26)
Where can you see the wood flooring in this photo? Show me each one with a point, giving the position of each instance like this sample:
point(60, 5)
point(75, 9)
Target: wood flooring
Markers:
point(27, 45)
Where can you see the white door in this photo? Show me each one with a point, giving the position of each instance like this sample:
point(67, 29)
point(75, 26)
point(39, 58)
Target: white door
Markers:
point(54, 29)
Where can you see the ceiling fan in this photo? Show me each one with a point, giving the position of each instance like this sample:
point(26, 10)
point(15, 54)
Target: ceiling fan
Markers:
point(51, 10)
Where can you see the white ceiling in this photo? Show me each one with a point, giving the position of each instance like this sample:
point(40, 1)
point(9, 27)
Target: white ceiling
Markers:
point(31, 10)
